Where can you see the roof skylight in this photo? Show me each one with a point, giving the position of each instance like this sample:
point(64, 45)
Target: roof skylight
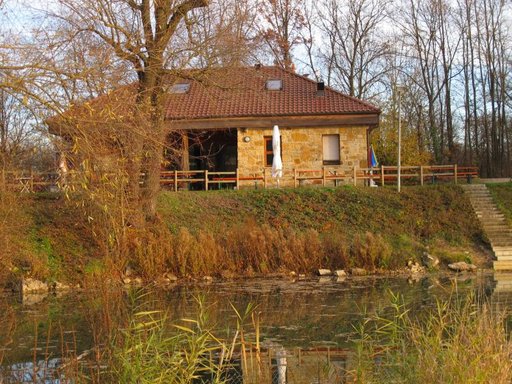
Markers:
point(180, 88)
point(274, 85)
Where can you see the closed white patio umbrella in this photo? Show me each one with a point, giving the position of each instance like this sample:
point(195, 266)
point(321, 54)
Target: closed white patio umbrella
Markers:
point(277, 163)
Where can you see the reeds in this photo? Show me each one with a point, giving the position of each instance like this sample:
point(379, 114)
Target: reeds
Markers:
point(190, 352)
point(457, 341)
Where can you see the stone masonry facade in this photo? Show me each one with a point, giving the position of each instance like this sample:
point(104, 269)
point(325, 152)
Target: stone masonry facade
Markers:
point(301, 148)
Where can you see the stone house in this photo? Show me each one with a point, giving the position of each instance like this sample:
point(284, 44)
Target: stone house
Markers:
point(221, 120)
point(318, 125)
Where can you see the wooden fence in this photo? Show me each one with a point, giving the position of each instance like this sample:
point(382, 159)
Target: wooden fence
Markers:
point(207, 180)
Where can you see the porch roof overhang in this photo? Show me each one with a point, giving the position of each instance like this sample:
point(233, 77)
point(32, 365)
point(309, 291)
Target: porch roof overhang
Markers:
point(371, 120)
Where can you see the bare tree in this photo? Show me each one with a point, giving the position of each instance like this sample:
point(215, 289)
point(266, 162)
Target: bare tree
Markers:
point(140, 33)
point(354, 56)
point(282, 22)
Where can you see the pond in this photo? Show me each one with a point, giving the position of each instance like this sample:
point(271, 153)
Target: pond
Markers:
point(302, 323)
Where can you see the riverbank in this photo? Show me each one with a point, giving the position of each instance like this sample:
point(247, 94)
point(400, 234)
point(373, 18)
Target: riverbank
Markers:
point(249, 233)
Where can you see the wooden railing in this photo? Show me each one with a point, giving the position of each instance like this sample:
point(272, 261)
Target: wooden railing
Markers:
point(177, 180)
point(207, 180)
point(385, 174)
point(30, 181)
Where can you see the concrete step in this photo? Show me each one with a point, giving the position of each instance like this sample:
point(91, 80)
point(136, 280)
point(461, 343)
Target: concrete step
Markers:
point(500, 236)
point(504, 257)
point(505, 265)
point(504, 240)
point(496, 227)
point(491, 215)
point(483, 204)
point(494, 224)
point(490, 220)
point(489, 228)
point(500, 241)
point(503, 248)
point(499, 244)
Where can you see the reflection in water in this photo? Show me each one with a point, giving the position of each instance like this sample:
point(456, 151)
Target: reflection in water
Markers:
point(43, 371)
point(306, 326)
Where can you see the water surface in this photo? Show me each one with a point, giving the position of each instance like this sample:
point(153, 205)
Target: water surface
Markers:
point(297, 316)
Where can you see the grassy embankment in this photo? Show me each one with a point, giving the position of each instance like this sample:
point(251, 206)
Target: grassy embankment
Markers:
point(230, 233)
point(502, 194)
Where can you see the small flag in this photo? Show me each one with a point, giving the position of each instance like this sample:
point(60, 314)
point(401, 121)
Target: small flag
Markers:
point(373, 158)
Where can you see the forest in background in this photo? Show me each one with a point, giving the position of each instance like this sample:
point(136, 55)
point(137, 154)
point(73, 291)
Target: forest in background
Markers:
point(450, 61)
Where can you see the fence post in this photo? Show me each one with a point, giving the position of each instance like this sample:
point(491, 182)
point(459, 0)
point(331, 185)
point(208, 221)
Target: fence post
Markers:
point(31, 181)
point(205, 179)
point(237, 178)
point(295, 177)
point(323, 176)
point(421, 174)
point(455, 173)
point(355, 176)
point(264, 178)
point(382, 175)
point(175, 180)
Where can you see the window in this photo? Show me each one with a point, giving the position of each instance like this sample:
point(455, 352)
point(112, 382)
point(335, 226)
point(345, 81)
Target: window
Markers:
point(180, 88)
point(269, 152)
point(331, 149)
point(274, 85)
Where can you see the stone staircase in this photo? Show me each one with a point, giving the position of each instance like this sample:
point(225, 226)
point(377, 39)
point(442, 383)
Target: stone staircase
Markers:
point(494, 224)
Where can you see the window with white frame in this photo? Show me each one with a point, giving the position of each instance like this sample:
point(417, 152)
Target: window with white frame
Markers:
point(331, 149)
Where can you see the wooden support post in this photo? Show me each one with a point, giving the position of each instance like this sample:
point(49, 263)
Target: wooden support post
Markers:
point(295, 177)
point(324, 176)
point(421, 174)
point(31, 181)
point(455, 173)
point(237, 178)
point(265, 178)
point(355, 176)
point(175, 180)
point(382, 175)
point(205, 179)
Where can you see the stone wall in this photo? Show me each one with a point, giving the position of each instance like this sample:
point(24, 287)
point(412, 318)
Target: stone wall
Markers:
point(301, 149)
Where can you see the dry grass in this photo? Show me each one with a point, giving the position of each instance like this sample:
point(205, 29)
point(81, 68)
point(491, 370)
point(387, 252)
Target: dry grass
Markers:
point(458, 341)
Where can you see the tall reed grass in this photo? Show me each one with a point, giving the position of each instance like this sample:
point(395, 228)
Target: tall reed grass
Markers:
point(253, 248)
point(148, 351)
point(457, 341)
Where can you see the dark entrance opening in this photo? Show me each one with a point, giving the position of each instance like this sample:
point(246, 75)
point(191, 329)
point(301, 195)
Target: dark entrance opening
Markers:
point(194, 151)
point(215, 151)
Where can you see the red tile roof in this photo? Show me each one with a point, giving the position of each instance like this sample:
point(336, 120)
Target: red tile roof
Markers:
point(241, 92)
